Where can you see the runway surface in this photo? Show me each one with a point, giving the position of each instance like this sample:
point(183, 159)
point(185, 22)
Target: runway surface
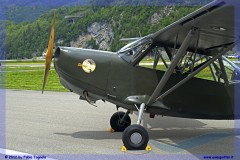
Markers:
point(59, 123)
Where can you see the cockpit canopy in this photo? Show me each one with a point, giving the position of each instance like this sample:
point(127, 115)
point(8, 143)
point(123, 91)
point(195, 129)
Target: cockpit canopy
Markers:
point(133, 50)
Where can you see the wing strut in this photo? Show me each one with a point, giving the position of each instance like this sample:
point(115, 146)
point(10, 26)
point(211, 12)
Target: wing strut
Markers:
point(210, 61)
point(181, 52)
point(225, 78)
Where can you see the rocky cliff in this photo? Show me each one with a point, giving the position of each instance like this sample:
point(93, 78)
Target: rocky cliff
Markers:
point(157, 16)
point(98, 36)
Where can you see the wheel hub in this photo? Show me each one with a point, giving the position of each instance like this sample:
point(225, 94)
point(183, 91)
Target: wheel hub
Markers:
point(136, 138)
point(119, 123)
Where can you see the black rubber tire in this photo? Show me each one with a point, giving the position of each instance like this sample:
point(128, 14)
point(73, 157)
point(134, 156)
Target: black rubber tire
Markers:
point(115, 122)
point(129, 131)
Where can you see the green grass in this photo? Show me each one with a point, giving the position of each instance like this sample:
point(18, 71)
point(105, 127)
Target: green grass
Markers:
point(2, 80)
point(30, 78)
point(204, 74)
point(33, 81)
point(148, 59)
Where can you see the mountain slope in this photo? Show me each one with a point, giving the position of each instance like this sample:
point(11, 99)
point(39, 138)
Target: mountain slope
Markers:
point(27, 39)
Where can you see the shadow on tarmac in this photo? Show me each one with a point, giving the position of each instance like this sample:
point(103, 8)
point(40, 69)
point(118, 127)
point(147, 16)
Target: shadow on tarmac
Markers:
point(176, 135)
point(160, 128)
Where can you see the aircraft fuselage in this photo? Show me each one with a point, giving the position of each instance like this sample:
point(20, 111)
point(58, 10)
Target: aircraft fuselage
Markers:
point(114, 80)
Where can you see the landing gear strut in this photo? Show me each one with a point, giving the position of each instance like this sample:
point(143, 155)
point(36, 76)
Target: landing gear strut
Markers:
point(135, 137)
point(120, 121)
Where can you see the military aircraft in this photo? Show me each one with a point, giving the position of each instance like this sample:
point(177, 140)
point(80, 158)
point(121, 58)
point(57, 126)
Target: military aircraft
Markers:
point(179, 71)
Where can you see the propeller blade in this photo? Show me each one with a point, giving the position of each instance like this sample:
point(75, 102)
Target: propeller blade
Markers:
point(49, 53)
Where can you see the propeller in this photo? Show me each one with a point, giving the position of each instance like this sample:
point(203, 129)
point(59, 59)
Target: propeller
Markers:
point(49, 53)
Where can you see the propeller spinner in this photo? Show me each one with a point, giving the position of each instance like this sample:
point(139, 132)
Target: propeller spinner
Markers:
point(49, 53)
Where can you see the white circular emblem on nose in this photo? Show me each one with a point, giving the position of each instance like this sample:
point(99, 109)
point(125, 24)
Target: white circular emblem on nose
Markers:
point(88, 66)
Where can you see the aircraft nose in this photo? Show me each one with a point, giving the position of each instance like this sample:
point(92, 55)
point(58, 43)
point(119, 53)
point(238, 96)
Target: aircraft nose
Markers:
point(66, 65)
point(64, 60)
point(84, 68)
point(57, 53)
point(65, 53)
point(83, 64)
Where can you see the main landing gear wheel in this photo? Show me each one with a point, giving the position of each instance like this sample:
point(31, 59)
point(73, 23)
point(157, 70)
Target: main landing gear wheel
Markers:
point(135, 137)
point(120, 121)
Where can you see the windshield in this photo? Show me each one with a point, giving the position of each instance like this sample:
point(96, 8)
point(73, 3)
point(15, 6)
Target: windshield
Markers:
point(131, 51)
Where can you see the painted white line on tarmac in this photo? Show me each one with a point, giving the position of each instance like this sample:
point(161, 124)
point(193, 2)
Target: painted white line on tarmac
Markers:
point(23, 71)
point(11, 154)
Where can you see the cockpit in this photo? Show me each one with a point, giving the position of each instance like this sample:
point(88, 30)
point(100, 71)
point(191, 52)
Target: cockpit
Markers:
point(133, 50)
point(145, 53)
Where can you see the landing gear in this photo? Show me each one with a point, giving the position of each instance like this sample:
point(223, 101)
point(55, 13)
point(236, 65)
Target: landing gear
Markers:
point(135, 137)
point(120, 121)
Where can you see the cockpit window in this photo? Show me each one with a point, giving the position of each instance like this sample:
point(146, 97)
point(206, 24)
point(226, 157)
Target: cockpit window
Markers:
point(227, 73)
point(156, 59)
point(131, 51)
point(143, 53)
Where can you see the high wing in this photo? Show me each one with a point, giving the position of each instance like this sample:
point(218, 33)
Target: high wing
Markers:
point(212, 30)
point(216, 24)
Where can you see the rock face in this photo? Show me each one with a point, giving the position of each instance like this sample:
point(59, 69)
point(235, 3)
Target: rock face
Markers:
point(81, 42)
point(165, 11)
point(99, 36)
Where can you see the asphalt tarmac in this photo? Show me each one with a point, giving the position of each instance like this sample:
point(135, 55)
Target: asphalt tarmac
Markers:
point(58, 123)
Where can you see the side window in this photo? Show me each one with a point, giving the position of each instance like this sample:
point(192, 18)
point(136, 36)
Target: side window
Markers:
point(221, 71)
point(155, 59)
point(229, 72)
point(208, 72)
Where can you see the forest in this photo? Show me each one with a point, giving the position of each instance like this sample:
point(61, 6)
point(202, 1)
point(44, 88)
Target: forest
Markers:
point(29, 38)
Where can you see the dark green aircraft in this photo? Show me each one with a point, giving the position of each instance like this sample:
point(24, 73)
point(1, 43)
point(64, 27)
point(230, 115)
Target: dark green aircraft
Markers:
point(179, 71)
